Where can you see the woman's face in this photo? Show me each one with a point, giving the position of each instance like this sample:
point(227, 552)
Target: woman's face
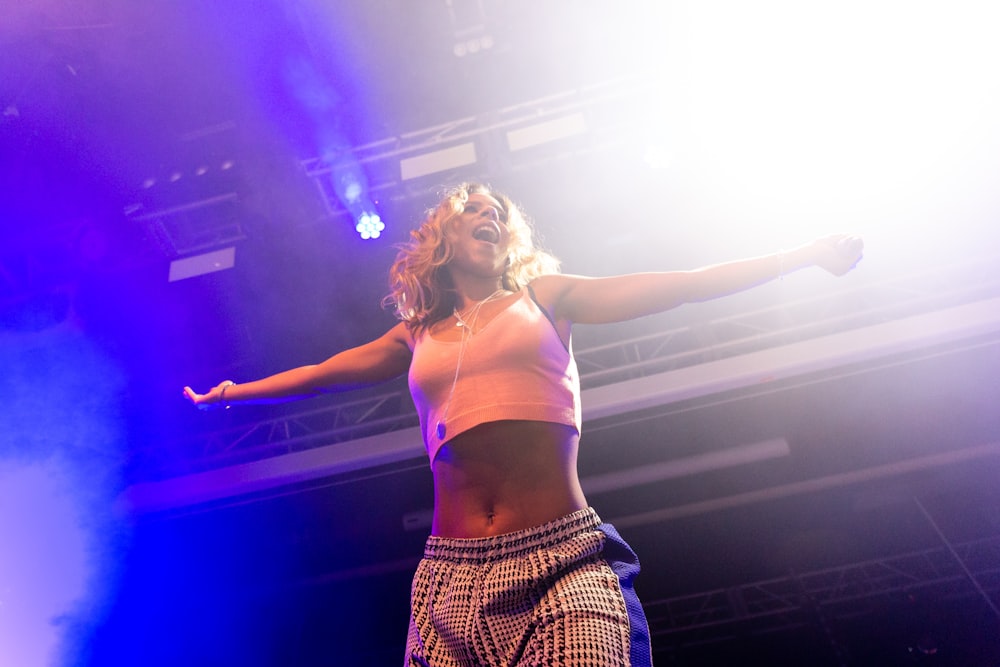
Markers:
point(479, 236)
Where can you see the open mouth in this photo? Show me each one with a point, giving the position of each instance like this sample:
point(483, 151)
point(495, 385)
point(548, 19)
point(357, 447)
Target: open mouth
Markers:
point(486, 232)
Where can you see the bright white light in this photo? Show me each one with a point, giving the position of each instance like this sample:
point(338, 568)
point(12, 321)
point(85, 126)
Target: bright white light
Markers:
point(370, 226)
point(820, 116)
point(656, 156)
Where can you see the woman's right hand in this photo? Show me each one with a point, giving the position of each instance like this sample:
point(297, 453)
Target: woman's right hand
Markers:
point(209, 400)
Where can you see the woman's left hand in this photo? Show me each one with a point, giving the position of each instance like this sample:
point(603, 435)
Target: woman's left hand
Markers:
point(838, 253)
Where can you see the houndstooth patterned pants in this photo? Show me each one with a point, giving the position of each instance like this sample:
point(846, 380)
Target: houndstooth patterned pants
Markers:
point(557, 594)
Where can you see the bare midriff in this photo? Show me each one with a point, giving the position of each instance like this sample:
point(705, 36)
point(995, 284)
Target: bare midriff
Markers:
point(505, 476)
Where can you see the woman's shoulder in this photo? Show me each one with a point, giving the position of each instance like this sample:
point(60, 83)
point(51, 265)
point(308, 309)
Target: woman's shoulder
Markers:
point(548, 292)
point(549, 289)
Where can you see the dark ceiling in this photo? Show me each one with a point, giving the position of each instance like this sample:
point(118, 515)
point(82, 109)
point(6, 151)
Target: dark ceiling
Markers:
point(874, 541)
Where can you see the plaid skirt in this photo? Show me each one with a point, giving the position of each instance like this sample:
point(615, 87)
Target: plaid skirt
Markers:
point(556, 594)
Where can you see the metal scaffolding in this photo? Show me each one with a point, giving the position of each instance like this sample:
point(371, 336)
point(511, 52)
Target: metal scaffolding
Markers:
point(389, 408)
point(612, 113)
point(836, 593)
point(609, 111)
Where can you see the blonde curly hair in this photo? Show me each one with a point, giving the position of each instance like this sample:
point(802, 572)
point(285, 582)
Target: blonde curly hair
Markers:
point(420, 288)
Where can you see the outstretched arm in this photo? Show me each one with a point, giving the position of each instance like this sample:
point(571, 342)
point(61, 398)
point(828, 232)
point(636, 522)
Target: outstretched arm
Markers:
point(619, 298)
point(377, 361)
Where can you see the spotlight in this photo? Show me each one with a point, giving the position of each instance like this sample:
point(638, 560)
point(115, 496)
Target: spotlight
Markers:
point(656, 156)
point(352, 192)
point(369, 226)
point(473, 45)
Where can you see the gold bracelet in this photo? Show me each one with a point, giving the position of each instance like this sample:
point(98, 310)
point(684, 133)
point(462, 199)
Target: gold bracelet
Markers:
point(222, 394)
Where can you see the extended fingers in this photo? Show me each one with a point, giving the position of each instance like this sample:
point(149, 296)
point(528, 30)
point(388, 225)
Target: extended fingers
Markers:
point(851, 252)
point(845, 251)
point(196, 398)
point(851, 245)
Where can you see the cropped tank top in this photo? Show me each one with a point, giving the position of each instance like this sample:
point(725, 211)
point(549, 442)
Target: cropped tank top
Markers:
point(515, 367)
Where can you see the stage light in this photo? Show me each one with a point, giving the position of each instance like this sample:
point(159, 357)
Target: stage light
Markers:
point(351, 185)
point(370, 226)
point(473, 45)
point(352, 193)
point(656, 156)
point(798, 130)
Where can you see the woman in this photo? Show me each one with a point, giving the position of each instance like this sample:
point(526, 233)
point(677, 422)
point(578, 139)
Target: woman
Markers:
point(518, 569)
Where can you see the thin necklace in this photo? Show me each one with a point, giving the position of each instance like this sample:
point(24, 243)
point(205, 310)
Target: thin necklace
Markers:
point(474, 311)
point(467, 327)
